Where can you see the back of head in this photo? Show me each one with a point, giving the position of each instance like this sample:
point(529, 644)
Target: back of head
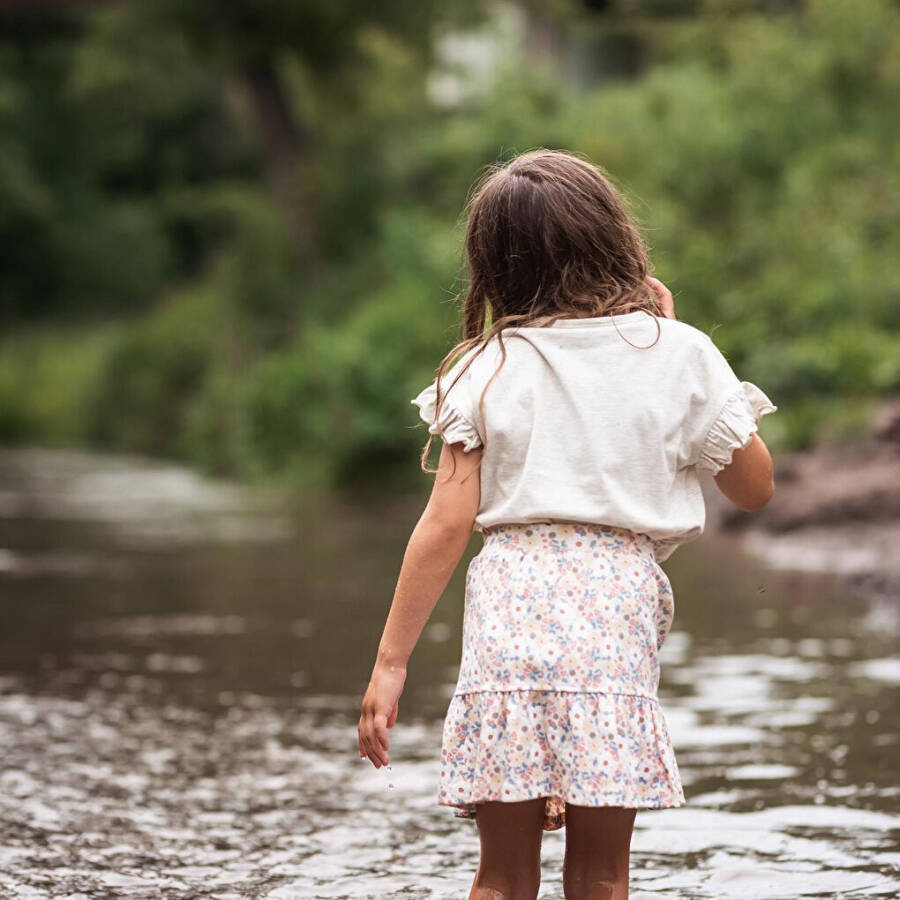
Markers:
point(549, 236)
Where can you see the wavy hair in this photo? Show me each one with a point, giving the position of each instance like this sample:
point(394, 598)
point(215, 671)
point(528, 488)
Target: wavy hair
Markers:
point(548, 236)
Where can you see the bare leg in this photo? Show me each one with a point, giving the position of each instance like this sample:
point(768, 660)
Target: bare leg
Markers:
point(511, 835)
point(598, 845)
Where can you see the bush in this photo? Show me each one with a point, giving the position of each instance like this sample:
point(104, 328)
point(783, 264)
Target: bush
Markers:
point(150, 378)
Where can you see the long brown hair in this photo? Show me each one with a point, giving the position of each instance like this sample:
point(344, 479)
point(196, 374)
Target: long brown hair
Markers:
point(549, 236)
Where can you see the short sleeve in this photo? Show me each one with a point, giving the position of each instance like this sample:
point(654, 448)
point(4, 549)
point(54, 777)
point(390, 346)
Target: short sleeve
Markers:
point(734, 427)
point(456, 421)
point(723, 413)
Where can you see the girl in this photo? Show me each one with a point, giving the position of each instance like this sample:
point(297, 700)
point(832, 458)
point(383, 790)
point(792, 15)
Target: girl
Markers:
point(573, 425)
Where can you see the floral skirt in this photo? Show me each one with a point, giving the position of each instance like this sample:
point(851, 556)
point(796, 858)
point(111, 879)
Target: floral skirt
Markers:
point(557, 689)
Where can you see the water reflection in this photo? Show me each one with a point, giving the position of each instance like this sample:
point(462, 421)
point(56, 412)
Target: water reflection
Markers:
point(179, 682)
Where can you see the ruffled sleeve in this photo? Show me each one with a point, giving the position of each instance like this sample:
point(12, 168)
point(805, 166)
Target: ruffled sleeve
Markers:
point(455, 424)
point(734, 426)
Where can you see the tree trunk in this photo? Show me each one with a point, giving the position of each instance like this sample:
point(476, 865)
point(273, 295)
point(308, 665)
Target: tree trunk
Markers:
point(285, 145)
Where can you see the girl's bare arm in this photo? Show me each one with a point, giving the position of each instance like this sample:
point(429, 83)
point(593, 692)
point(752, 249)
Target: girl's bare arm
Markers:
point(748, 481)
point(434, 549)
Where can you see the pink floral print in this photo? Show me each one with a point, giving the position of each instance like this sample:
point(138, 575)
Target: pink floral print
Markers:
point(557, 688)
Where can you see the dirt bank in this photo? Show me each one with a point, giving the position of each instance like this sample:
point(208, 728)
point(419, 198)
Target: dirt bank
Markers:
point(836, 508)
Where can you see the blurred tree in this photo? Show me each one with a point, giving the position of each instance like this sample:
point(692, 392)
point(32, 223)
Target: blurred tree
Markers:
point(253, 40)
point(758, 141)
point(114, 115)
point(103, 134)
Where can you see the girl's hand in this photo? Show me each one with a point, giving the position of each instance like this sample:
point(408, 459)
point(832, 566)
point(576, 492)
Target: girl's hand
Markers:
point(379, 712)
point(665, 296)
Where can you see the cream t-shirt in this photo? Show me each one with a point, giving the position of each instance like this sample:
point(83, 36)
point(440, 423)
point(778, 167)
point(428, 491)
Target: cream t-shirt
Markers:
point(580, 426)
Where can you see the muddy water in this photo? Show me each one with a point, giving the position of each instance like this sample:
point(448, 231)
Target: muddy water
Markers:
point(180, 672)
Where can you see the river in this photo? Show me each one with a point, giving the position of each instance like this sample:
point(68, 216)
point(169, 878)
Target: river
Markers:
point(181, 666)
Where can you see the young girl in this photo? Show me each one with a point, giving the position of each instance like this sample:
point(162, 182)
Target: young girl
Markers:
point(573, 426)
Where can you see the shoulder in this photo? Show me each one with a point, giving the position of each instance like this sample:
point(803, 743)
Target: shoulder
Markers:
point(685, 334)
point(468, 370)
point(461, 363)
point(486, 356)
point(695, 347)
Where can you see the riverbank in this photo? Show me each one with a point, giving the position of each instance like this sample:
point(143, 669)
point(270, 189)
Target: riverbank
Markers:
point(836, 509)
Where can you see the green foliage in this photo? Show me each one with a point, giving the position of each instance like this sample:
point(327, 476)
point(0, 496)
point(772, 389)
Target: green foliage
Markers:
point(47, 380)
point(99, 126)
point(760, 150)
point(149, 379)
point(327, 408)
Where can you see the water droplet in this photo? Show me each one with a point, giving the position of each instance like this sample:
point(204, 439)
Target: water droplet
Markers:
point(390, 786)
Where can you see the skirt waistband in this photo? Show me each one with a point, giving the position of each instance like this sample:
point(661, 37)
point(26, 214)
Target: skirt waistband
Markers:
point(567, 534)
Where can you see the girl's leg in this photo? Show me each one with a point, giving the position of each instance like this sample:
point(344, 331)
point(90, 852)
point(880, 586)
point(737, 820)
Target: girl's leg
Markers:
point(511, 835)
point(598, 844)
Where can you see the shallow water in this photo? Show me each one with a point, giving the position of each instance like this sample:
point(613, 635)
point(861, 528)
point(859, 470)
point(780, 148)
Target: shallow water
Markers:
point(180, 674)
